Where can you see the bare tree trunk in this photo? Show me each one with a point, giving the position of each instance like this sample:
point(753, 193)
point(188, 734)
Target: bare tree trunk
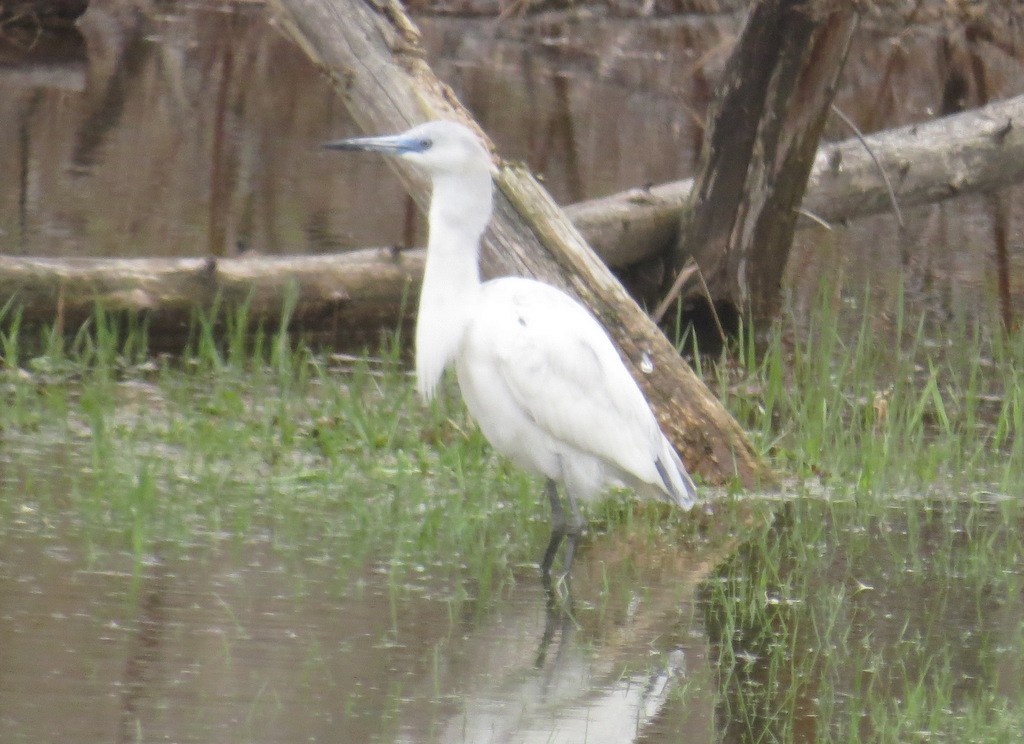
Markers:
point(770, 109)
point(373, 52)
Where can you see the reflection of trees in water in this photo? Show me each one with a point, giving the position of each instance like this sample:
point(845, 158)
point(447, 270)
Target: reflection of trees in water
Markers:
point(105, 111)
point(193, 129)
point(144, 650)
point(25, 156)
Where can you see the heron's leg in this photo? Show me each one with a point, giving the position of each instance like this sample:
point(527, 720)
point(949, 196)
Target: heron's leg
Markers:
point(573, 530)
point(558, 527)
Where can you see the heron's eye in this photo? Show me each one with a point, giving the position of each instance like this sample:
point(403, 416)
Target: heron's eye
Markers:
point(426, 144)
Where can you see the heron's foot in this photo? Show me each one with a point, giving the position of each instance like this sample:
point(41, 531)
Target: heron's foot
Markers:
point(559, 617)
point(562, 528)
point(558, 587)
point(557, 581)
point(571, 538)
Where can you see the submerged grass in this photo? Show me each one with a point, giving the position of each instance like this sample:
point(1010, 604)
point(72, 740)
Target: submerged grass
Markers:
point(901, 524)
point(854, 622)
point(255, 436)
point(884, 602)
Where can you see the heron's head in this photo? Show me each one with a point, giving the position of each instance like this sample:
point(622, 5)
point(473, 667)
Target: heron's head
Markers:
point(438, 147)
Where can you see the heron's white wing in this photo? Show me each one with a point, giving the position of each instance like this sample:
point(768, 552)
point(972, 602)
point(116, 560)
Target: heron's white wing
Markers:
point(566, 375)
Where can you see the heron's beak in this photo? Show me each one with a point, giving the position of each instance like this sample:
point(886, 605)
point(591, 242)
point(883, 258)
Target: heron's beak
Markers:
point(395, 144)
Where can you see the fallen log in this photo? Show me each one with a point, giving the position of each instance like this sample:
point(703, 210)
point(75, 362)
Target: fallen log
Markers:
point(346, 300)
point(978, 151)
point(373, 52)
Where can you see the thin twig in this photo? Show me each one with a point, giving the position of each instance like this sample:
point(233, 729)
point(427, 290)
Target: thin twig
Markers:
point(814, 218)
point(885, 176)
point(711, 304)
point(689, 269)
point(677, 286)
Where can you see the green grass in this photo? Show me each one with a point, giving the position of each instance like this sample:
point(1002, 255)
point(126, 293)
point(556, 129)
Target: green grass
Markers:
point(883, 405)
point(842, 613)
point(252, 435)
point(873, 606)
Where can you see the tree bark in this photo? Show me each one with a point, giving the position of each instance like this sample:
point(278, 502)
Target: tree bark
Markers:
point(374, 55)
point(765, 125)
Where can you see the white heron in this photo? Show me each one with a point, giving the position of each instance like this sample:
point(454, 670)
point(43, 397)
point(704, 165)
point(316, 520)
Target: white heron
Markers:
point(537, 371)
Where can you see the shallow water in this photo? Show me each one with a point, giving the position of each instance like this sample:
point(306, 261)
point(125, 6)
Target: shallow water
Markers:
point(239, 641)
point(259, 636)
point(278, 630)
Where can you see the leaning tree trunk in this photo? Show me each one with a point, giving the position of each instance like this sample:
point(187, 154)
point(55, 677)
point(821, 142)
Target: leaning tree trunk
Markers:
point(373, 52)
point(766, 121)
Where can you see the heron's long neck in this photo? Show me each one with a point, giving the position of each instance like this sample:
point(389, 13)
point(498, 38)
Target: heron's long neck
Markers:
point(460, 209)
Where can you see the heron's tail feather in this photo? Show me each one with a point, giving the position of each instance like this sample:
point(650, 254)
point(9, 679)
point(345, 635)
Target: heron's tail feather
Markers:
point(678, 483)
